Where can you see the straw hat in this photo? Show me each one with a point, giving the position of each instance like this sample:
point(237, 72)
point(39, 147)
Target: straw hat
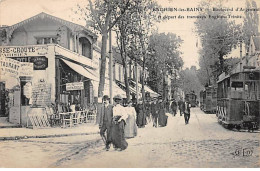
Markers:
point(118, 97)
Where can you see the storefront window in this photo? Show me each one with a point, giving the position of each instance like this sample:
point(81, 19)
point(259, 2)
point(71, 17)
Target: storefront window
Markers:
point(46, 40)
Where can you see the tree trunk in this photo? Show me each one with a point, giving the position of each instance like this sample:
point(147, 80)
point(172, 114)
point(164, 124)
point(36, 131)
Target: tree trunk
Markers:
point(123, 57)
point(221, 61)
point(103, 64)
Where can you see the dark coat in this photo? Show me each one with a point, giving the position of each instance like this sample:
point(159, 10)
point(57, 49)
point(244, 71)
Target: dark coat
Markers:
point(180, 104)
point(187, 105)
point(174, 105)
point(109, 113)
point(147, 108)
point(154, 109)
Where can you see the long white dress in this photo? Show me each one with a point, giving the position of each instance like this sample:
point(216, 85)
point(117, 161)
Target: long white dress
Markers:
point(130, 127)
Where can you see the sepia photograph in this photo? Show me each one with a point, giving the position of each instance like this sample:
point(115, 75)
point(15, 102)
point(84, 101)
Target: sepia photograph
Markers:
point(129, 83)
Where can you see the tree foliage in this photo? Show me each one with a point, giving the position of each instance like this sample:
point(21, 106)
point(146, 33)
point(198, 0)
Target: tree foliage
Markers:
point(190, 80)
point(164, 57)
point(218, 36)
point(131, 31)
point(102, 15)
point(251, 22)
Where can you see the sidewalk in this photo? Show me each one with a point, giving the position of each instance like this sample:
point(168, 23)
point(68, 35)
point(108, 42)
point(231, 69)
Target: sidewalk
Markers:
point(21, 133)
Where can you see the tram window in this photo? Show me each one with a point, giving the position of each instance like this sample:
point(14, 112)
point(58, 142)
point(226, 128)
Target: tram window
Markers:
point(237, 85)
point(251, 89)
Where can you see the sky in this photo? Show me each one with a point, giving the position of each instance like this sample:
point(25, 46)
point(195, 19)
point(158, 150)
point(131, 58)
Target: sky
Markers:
point(14, 11)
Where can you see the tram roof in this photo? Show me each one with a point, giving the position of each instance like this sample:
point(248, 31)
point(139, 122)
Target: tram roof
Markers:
point(224, 76)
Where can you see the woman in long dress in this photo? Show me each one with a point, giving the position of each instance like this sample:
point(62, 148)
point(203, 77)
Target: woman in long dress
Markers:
point(130, 127)
point(118, 125)
point(141, 117)
point(162, 118)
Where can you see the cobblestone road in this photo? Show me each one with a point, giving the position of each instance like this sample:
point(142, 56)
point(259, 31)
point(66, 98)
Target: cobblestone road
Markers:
point(202, 143)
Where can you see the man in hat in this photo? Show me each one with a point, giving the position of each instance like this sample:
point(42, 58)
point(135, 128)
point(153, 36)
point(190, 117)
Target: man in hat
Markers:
point(105, 122)
point(187, 107)
point(118, 125)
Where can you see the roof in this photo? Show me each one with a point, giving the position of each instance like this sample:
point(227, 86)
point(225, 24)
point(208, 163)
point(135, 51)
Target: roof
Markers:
point(70, 25)
point(257, 43)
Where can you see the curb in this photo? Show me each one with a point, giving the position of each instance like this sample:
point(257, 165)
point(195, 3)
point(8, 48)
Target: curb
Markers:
point(44, 136)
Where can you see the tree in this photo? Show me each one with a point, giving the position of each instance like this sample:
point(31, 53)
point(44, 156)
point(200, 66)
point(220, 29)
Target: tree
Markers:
point(102, 17)
point(251, 23)
point(164, 58)
point(132, 32)
point(218, 36)
point(190, 80)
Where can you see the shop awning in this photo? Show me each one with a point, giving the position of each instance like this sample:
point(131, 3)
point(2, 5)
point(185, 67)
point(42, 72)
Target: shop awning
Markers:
point(81, 70)
point(132, 90)
point(146, 89)
point(116, 89)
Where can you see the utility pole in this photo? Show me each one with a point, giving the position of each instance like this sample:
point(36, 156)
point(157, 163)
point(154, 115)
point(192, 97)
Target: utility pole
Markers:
point(110, 68)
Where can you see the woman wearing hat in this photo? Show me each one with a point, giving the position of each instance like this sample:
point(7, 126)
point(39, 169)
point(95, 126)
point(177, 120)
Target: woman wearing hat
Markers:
point(118, 125)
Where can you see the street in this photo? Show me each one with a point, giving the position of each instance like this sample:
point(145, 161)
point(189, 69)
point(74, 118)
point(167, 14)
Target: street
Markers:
point(201, 143)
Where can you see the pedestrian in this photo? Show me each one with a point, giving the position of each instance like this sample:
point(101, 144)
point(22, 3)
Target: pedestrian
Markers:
point(130, 127)
point(105, 122)
point(187, 107)
point(118, 125)
point(141, 118)
point(174, 107)
point(148, 111)
point(162, 118)
point(154, 110)
point(167, 106)
point(180, 105)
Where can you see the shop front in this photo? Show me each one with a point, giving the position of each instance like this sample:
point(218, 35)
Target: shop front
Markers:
point(74, 84)
point(23, 69)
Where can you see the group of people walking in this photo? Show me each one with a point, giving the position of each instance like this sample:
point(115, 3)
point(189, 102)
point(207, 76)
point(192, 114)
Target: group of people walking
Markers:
point(117, 122)
point(184, 108)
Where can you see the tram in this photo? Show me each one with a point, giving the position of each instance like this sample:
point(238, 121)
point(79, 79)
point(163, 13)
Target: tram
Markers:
point(208, 99)
point(192, 97)
point(238, 100)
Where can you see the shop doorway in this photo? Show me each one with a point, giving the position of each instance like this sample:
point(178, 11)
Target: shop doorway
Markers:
point(3, 100)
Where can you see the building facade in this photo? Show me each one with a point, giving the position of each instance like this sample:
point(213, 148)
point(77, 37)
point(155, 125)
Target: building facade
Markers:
point(47, 60)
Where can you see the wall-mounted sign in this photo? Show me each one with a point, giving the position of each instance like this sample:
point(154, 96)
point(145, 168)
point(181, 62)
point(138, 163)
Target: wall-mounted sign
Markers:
point(23, 51)
point(74, 86)
point(9, 67)
point(39, 62)
point(26, 69)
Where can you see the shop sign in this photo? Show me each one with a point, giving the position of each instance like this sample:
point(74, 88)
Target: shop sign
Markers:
point(74, 86)
point(9, 67)
point(26, 69)
point(23, 51)
point(39, 62)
